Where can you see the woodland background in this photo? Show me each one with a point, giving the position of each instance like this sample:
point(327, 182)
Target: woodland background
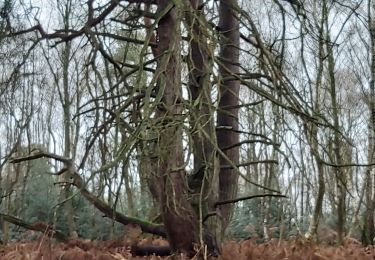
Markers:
point(197, 121)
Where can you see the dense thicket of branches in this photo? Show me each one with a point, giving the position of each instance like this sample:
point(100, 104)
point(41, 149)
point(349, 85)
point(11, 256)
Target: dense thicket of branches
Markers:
point(195, 120)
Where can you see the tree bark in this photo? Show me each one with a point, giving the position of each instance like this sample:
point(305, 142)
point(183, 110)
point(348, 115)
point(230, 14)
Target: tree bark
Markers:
point(203, 182)
point(369, 228)
point(227, 114)
point(180, 219)
point(340, 174)
point(312, 136)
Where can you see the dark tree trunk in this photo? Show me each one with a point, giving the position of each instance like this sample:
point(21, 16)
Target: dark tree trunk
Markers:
point(203, 182)
point(369, 228)
point(180, 219)
point(227, 115)
point(200, 67)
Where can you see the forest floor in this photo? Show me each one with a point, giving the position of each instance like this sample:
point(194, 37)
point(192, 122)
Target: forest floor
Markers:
point(46, 249)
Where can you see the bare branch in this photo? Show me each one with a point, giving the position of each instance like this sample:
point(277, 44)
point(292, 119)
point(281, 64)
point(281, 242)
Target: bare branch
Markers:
point(98, 203)
point(37, 226)
point(38, 155)
point(249, 163)
point(250, 142)
point(248, 198)
point(65, 37)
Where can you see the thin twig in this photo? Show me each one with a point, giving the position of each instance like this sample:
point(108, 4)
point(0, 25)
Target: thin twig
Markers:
point(248, 198)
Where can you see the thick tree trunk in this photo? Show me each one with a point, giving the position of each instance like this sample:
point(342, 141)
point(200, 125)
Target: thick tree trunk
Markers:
point(203, 183)
point(180, 219)
point(227, 115)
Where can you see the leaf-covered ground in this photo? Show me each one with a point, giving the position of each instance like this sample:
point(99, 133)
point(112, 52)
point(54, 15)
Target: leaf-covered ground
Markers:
point(120, 249)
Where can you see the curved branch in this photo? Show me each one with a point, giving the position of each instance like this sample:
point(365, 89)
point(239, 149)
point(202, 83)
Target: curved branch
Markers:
point(36, 226)
point(109, 212)
point(63, 36)
point(80, 184)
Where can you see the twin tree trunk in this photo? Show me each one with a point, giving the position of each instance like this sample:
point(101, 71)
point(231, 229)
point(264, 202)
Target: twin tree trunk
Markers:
point(186, 219)
point(181, 222)
point(184, 213)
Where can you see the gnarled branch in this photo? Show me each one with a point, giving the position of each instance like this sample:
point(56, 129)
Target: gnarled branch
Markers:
point(79, 183)
point(37, 226)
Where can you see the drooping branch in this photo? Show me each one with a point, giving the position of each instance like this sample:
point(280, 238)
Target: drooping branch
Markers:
point(37, 226)
point(62, 35)
point(40, 154)
point(69, 166)
point(80, 184)
point(109, 212)
point(65, 37)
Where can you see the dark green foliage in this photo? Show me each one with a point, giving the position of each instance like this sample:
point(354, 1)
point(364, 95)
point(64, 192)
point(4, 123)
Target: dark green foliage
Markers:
point(41, 204)
point(41, 195)
point(91, 223)
point(247, 220)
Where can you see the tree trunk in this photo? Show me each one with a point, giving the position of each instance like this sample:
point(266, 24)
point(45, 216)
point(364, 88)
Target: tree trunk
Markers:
point(180, 219)
point(66, 103)
point(128, 190)
point(369, 229)
point(65, 99)
point(203, 183)
point(227, 114)
point(340, 174)
point(313, 139)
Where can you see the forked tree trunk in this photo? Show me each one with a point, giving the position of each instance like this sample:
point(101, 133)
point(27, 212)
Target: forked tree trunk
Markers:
point(180, 219)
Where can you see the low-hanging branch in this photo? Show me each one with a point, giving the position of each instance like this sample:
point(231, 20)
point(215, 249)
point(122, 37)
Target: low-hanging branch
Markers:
point(80, 184)
point(37, 226)
point(40, 154)
point(148, 227)
point(248, 198)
